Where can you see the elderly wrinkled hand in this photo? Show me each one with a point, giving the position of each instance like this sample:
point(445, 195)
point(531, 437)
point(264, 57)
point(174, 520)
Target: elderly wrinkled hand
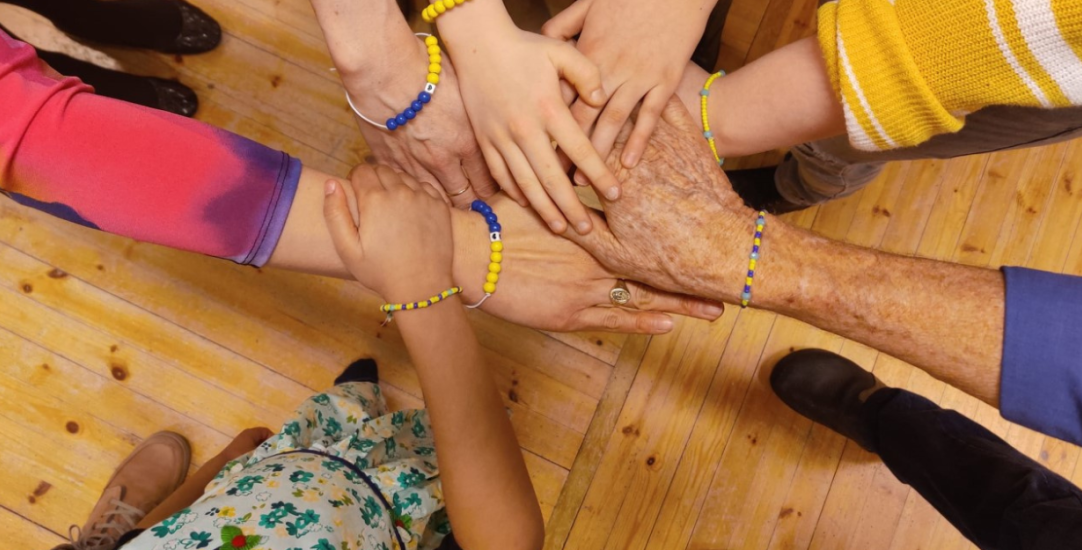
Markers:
point(678, 226)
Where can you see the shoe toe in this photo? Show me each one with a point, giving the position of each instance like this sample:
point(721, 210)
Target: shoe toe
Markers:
point(175, 97)
point(199, 32)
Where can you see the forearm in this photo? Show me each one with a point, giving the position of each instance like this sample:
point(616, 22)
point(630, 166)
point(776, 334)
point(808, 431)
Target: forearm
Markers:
point(305, 244)
point(490, 500)
point(779, 100)
point(945, 318)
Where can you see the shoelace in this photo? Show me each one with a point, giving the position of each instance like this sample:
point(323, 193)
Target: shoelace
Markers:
point(121, 519)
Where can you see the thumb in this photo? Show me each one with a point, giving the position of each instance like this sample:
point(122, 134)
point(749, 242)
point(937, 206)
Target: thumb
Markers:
point(568, 23)
point(676, 114)
point(600, 242)
point(340, 223)
point(575, 68)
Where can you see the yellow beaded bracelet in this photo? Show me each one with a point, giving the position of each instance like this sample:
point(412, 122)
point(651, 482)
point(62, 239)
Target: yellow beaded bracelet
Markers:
point(438, 8)
point(390, 309)
point(760, 220)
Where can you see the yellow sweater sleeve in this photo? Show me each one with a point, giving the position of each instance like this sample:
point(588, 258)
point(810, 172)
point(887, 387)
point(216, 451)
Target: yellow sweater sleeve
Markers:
point(907, 70)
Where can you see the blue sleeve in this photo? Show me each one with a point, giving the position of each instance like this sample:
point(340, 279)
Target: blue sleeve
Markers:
point(1041, 384)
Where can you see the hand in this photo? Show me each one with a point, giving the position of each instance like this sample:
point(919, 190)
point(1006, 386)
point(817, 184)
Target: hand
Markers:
point(245, 443)
point(550, 283)
point(641, 48)
point(402, 246)
point(679, 225)
point(438, 146)
point(511, 88)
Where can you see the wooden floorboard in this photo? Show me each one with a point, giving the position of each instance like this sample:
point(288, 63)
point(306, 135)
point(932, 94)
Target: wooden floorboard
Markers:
point(670, 442)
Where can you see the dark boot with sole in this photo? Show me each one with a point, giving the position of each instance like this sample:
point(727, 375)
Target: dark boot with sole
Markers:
point(831, 390)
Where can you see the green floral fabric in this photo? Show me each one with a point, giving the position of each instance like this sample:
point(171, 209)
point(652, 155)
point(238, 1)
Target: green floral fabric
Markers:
point(282, 496)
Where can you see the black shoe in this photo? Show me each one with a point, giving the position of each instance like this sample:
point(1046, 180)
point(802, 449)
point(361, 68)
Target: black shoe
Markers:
point(361, 370)
point(168, 26)
point(156, 93)
point(757, 189)
point(829, 389)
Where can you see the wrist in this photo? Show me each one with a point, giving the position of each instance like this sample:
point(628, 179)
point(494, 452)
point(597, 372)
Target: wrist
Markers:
point(471, 244)
point(477, 22)
point(383, 85)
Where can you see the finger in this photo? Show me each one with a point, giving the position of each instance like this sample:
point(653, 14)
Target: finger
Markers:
point(568, 23)
point(432, 191)
point(647, 298)
point(612, 119)
point(587, 160)
point(645, 124)
point(621, 320)
point(556, 184)
point(454, 182)
point(388, 178)
point(676, 114)
point(585, 116)
point(532, 189)
point(477, 172)
point(498, 168)
point(340, 224)
point(575, 68)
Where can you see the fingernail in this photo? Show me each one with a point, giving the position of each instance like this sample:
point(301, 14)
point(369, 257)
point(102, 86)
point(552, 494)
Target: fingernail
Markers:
point(613, 193)
point(713, 310)
point(630, 160)
point(665, 324)
point(557, 226)
point(580, 179)
point(597, 96)
point(583, 228)
point(329, 187)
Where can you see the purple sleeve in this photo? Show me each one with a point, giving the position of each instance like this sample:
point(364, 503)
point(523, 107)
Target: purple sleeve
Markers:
point(1041, 384)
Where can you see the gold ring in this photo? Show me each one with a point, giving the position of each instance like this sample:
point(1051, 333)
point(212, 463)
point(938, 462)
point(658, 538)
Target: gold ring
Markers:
point(620, 295)
point(459, 192)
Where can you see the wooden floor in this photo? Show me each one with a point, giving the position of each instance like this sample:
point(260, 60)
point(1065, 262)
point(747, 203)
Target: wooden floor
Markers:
point(640, 443)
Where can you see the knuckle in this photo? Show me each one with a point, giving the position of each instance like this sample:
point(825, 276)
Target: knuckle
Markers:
point(645, 298)
point(616, 114)
point(611, 321)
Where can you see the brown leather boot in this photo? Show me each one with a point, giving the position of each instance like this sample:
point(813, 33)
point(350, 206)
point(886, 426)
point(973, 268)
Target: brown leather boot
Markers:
point(155, 469)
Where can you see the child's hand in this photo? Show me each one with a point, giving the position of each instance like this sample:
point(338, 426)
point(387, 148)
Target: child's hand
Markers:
point(510, 83)
point(246, 442)
point(402, 247)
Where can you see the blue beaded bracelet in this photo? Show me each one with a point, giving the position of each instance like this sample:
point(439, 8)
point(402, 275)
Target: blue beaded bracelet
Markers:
point(496, 247)
point(401, 119)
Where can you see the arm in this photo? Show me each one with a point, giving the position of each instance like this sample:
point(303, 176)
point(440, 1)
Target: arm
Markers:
point(383, 68)
point(479, 458)
point(779, 100)
point(1012, 345)
point(403, 230)
point(173, 181)
point(902, 64)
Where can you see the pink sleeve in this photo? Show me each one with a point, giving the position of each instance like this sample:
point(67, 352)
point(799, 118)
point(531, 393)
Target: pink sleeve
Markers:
point(135, 171)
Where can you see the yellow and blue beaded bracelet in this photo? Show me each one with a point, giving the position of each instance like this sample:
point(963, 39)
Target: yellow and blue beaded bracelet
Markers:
point(495, 246)
point(390, 309)
point(435, 60)
point(760, 221)
point(438, 8)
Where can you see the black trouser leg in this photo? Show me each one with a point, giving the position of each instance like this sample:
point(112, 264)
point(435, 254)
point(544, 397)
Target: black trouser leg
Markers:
point(136, 23)
point(996, 496)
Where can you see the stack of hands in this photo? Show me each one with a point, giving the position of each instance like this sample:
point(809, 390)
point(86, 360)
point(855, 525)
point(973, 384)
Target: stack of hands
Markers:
point(537, 105)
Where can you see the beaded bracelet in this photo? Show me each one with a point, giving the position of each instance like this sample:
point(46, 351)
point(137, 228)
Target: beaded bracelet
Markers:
point(704, 94)
point(439, 7)
point(435, 59)
point(760, 222)
point(390, 309)
point(496, 246)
